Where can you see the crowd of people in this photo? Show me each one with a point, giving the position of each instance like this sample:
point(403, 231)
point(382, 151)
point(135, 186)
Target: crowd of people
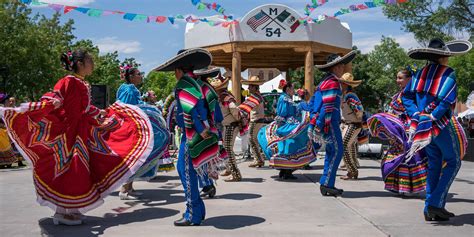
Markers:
point(80, 153)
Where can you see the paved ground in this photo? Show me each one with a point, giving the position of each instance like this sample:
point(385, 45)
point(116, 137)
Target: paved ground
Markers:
point(261, 205)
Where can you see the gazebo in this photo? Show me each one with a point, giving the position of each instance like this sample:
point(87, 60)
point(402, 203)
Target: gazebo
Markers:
point(270, 36)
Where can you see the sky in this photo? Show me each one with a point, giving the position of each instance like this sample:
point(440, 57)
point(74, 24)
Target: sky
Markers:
point(151, 43)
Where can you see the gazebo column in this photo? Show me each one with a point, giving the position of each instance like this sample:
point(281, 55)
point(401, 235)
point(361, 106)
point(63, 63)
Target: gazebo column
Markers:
point(309, 72)
point(236, 76)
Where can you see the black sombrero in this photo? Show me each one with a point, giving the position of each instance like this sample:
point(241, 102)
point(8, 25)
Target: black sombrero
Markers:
point(437, 49)
point(192, 59)
point(334, 59)
point(208, 72)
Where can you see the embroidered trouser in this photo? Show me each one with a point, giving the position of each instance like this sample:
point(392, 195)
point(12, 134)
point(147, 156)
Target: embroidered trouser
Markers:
point(334, 150)
point(254, 146)
point(439, 179)
point(204, 180)
point(195, 209)
point(230, 133)
point(349, 133)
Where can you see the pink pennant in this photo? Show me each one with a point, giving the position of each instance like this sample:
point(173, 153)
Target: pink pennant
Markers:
point(161, 19)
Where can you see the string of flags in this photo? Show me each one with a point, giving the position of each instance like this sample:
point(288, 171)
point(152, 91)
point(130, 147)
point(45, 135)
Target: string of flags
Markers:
point(311, 7)
point(211, 6)
point(225, 22)
point(350, 9)
point(93, 12)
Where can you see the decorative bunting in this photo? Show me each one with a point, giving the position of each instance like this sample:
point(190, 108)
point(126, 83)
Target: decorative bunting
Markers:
point(92, 12)
point(211, 6)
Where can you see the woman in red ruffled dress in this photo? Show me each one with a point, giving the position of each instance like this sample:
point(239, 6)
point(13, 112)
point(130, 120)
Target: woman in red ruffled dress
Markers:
point(79, 153)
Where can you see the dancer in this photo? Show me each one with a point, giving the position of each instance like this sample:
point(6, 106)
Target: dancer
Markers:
point(198, 152)
point(352, 112)
point(129, 94)
point(429, 99)
point(211, 115)
point(285, 142)
point(231, 125)
point(79, 153)
point(400, 174)
point(253, 109)
point(326, 117)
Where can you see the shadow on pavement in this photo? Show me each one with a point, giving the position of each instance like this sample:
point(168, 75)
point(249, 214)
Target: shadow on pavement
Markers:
point(239, 196)
point(253, 180)
point(464, 219)
point(232, 222)
point(95, 226)
point(366, 194)
point(155, 197)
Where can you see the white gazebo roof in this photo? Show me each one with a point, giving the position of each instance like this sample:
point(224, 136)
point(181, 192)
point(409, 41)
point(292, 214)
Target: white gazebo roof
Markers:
point(271, 22)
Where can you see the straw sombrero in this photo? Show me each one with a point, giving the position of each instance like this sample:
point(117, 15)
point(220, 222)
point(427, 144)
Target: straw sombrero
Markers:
point(437, 49)
point(209, 72)
point(334, 59)
point(348, 79)
point(192, 59)
point(253, 80)
point(219, 83)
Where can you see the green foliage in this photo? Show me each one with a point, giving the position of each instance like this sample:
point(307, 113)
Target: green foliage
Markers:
point(427, 19)
point(464, 68)
point(162, 83)
point(30, 48)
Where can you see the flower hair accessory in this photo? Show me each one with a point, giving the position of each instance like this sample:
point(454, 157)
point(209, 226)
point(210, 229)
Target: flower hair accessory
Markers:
point(68, 60)
point(412, 69)
point(281, 84)
point(124, 69)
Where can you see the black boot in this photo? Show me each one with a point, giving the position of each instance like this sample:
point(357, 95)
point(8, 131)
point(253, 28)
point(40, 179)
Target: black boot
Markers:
point(448, 213)
point(327, 191)
point(289, 175)
point(209, 190)
point(435, 214)
point(281, 174)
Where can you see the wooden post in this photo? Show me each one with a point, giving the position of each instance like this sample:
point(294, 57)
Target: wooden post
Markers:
point(309, 72)
point(287, 75)
point(236, 76)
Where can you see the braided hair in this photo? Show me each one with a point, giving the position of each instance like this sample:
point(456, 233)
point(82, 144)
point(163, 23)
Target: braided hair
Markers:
point(70, 59)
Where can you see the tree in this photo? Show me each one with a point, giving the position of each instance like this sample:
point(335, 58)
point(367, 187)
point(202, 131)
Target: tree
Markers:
point(162, 83)
point(464, 68)
point(30, 48)
point(427, 19)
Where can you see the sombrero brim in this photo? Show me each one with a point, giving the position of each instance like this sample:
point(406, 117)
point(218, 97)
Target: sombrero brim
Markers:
point(223, 85)
point(206, 73)
point(457, 47)
point(257, 83)
point(193, 59)
point(344, 60)
point(351, 83)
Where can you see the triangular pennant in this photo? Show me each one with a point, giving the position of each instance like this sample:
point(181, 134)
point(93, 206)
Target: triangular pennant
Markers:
point(161, 19)
point(56, 7)
point(171, 19)
point(67, 9)
point(95, 12)
point(82, 9)
point(140, 17)
point(195, 2)
point(129, 16)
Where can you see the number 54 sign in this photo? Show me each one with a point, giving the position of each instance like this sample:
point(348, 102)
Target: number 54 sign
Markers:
point(273, 21)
